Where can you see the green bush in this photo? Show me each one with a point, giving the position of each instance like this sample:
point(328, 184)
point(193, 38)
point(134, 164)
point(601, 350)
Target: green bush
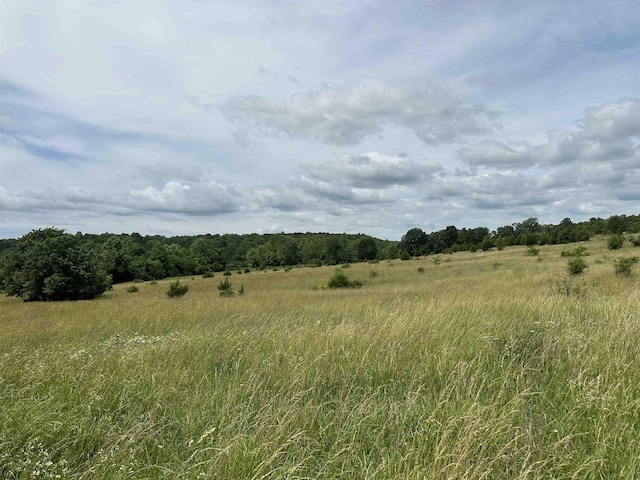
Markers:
point(132, 289)
point(405, 255)
point(576, 265)
point(226, 289)
point(580, 251)
point(208, 275)
point(615, 242)
point(436, 260)
point(635, 241)
point(533, 251)
point(227, 273)
point(246, 270)
point(420, 269)
point(177, 290)
point(340, 280)
point(624, 265)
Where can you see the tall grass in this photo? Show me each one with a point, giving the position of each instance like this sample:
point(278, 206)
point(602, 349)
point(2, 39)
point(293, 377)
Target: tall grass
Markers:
point(479, 367)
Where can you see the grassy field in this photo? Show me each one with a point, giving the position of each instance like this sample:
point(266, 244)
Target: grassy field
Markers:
point(487, 365)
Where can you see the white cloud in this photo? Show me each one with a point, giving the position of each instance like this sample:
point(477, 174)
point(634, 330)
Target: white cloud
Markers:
point(347, 116)
point(608, 133)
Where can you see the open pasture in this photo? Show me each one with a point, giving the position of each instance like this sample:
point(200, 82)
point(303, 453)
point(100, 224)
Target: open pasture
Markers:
point(485, 365)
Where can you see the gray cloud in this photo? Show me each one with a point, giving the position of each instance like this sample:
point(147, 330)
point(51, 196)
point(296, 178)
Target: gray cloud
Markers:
point(498, 154)
point(372, 170)
point(173, 197)
point(435, 113)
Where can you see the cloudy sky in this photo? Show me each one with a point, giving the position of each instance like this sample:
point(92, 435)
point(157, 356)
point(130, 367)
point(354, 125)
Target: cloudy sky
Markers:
point(355, 116)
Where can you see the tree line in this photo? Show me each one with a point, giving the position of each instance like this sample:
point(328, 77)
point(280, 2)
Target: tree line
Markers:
point(50, 264)
point(528, 232)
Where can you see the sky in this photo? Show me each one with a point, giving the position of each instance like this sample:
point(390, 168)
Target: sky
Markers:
point(194, 117)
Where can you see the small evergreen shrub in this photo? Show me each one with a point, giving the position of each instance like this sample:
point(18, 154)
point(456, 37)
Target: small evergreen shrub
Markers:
point(239, 272)
point(624, 265)
point(420, 269)
point(614, 242)
point(226, 289)
point(138, 280)
point(346, 265)
point(436, 260)
point(132, 289)
point(405, 255)
point(208, 275)
point(576, 265)
point(246, 270)
point(177, 290)
point(153, 282)
point(227, 273)
point(533, 251)
point(580, 251)
point(635, 241)
point(340, 280)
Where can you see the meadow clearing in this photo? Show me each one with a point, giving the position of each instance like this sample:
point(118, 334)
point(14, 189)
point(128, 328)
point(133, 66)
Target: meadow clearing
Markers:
point(487, 365)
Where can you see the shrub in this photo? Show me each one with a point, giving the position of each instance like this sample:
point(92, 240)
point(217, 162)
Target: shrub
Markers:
point(420, 269)
point(624, 265)
point(373, 274)
point(576, 265)
point(241, 290)
point(239, 272)
point(580, 251)
point(533, 251)
point(568, 288)
point(635, 241)
point(132, 289)
point(615, 242)
point(227, 273)
point(153, 282)
point(208, 275)
point(177, 290)
point(405, 255)
point(436, 260)
point(340, 280)
point(246, 270)
point(226, 289)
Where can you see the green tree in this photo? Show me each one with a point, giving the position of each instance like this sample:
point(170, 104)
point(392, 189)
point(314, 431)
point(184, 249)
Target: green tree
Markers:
point(413, 242)
point(367, 249)
point(50, 264)
point(615, 224)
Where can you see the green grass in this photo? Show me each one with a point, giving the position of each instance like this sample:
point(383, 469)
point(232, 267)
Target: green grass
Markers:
point(479, 367)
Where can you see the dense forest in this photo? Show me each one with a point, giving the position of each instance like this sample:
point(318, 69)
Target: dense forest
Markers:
point(127, 257)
